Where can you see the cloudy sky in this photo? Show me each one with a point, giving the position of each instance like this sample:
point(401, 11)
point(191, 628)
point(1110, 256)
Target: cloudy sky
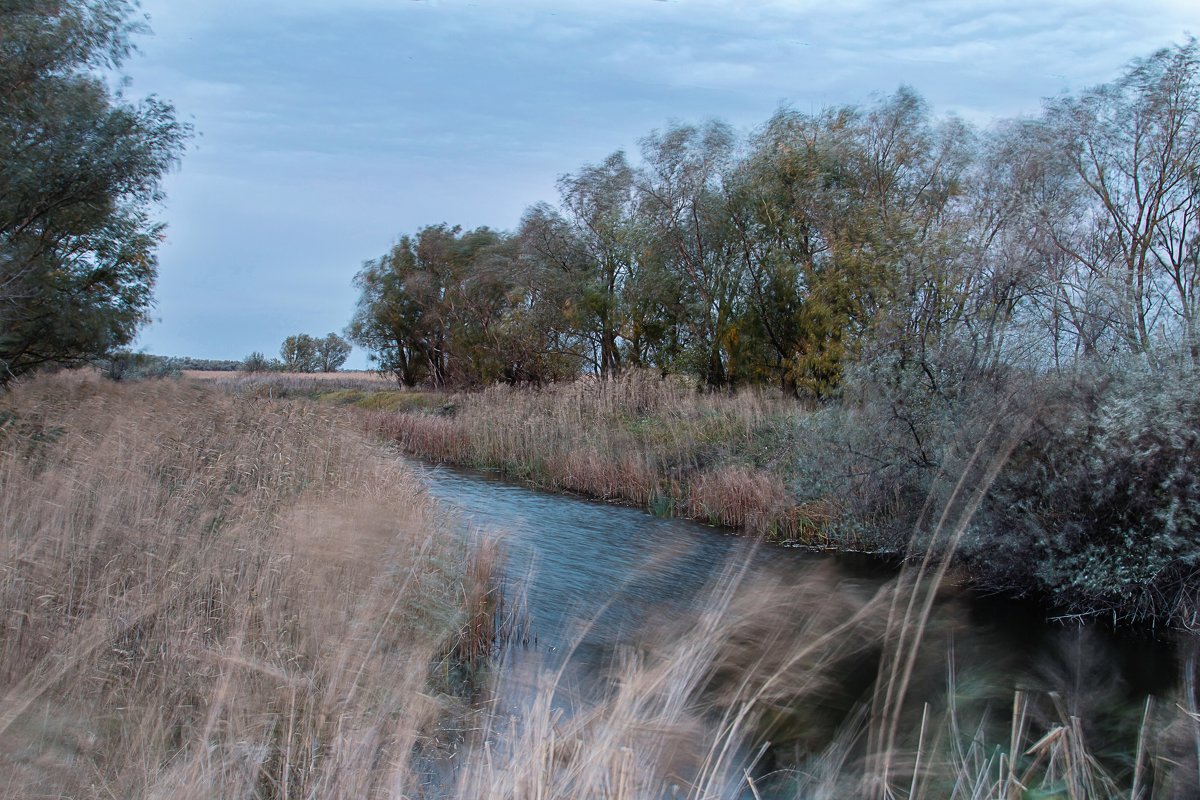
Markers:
point(327, 128)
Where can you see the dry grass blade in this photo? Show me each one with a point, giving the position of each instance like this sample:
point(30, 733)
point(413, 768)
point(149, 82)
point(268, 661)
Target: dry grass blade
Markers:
point(214, 596)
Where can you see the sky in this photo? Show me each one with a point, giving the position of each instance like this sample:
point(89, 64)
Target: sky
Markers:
point(326, 129)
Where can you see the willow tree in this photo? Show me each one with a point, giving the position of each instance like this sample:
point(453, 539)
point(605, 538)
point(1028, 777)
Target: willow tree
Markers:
point(1131, 151)
point(408, 302)
point(849, 234)
point(590, 247)
point(684, 188)
point(80, 170)
point(448, 307)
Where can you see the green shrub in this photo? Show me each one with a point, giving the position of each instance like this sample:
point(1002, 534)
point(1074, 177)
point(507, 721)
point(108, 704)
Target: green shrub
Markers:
point(1098, 506)
point(124, 365)
point(256, 362)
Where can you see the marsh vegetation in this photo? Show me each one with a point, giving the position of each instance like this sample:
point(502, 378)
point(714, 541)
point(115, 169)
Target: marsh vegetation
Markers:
point(223, 595)
point(971, 352)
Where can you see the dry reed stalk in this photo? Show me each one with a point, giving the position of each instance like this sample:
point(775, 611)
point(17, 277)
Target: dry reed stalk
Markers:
point(216, 596)
point(209, 595)
point(738, 497)
point(692, 707)
point(639, 440)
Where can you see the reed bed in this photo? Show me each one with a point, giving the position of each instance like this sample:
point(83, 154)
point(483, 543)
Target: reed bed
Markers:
point(208, 595)
point(640, 440)
point(283, 384)
point(212, 595)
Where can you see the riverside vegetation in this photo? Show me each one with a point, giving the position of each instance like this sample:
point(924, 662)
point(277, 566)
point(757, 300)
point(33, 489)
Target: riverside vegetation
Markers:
point(1091, 511)
point(212, 594)
point(860, 295)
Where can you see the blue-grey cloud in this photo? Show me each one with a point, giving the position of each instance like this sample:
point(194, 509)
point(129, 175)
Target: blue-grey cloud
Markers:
point(329, 128)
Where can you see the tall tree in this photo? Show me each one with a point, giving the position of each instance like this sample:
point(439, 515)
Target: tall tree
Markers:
point(684, 192)
point(332, 352)
point(300, 353)
point(591, 249)
point(80, 168)
point(847, 226)
point(1132, 148)
point(454, 308)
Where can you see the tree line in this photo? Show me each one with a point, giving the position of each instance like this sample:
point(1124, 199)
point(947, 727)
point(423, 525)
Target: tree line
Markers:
point(302, 353)
point(822, 240)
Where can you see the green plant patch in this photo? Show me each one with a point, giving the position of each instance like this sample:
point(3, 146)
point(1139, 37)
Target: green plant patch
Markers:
point(342, 397)
point(403, 401)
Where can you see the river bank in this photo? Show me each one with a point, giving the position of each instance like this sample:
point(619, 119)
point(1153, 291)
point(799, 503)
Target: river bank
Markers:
point(686, 645)
point(1070, 490)
point(646, 442)
point(234, 595)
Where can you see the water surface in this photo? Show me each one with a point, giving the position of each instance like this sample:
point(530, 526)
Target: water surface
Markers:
point(594, 575)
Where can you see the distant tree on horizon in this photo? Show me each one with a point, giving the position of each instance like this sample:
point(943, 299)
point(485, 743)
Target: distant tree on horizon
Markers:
point(256, 362)
point(332, 352)
point(304, 353)
point(299, 353)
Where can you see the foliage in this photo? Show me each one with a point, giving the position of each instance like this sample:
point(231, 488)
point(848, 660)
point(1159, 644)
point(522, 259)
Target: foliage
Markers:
point(332, 352)
point(1127, 157)
point(589, 254)
point(1103, 498)
point(826, 240)
point(458, 309)
point(126, 364)
point(299, 353)
point(304, 353)
point(129, 366)
point(204, 364)
point(80, 168)
point(256, 362)
point(932, 286)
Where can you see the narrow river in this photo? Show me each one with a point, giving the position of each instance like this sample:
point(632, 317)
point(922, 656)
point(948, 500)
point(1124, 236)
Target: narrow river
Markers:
point(594, 575)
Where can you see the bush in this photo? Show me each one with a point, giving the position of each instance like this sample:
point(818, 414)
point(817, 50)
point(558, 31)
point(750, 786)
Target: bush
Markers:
point(893, 449)
point(256, 362)
point(128, 366)
point(1098, 506)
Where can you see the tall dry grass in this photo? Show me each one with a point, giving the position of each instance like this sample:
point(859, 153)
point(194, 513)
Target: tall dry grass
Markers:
point(209, 595)
point(212, 596)
point(641, 440)
point(283, 384)
point(747, 697)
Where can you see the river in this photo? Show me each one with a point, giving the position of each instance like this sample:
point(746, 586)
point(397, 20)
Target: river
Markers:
point(595, 577)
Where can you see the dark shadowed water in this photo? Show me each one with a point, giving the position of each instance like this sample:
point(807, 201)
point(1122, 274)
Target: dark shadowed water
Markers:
point(594, 574)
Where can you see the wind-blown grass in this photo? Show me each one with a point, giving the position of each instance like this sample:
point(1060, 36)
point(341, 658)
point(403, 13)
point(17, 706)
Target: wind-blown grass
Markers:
point(742, 699)
point(214, 596)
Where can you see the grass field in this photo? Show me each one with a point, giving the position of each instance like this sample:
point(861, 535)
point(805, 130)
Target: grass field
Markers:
point(215, 594)
point(342, 375)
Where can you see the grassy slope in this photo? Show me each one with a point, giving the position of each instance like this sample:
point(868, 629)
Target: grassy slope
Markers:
point(212, 596)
